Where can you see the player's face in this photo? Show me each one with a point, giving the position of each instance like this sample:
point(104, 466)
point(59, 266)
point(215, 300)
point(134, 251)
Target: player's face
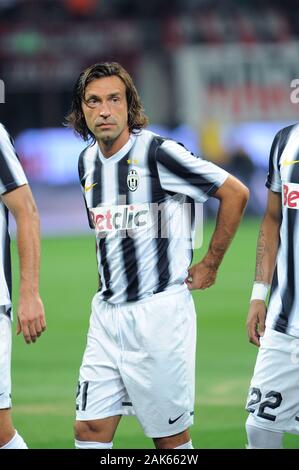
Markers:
point(106, 112)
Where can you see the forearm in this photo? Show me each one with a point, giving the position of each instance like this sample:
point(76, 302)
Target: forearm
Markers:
point(29, 249)
point(267, 247)
point(31, 315)
point(229, 215)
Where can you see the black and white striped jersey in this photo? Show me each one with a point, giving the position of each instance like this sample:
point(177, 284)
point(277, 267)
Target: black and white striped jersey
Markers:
point(141, 203)
point(11, 176)
point(283, 177)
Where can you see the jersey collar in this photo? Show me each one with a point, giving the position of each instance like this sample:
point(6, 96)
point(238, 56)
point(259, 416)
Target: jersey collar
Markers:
point(120, 154)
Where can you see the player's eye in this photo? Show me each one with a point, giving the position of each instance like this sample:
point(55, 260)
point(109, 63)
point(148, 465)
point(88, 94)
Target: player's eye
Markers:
point(92, 102)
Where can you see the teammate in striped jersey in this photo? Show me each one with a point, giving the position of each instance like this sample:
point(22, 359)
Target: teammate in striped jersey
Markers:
point(139, 191)
point(273, 395)
point(17, 198)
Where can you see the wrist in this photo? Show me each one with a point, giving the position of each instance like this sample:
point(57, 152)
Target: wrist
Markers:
point(259, 291)
point(210, 262)
point(28, 289)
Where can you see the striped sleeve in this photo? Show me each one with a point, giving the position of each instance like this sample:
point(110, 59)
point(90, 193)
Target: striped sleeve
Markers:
point(11, 172)
point(273, 180)
point(81, 170)
point(182, 172)
point(82, 177)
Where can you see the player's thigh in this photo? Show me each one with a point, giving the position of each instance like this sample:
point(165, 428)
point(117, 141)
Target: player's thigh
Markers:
point(6, 426)
point(171, 442)
point(98, 430)
point(158, 366)
point(101, 391)
point(273, 395)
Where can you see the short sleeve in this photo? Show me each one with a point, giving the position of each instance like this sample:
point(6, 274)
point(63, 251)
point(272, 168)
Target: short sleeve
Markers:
point(273, 181)
point(11, 172)
point(182, 172)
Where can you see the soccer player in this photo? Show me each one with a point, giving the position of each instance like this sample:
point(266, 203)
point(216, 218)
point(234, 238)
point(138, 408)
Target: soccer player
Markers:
point(17, 198)
point(273, 395)
point(140, 353)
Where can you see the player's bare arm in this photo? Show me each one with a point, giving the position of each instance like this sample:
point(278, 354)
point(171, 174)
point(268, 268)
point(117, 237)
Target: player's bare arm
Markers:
point(266, 253)
point(31, 316)
point(233, 196)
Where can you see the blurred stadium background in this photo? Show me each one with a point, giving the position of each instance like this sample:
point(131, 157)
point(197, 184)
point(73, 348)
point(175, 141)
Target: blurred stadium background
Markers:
point(214, 75)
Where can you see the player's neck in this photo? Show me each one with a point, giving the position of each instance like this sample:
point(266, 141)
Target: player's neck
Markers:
point(110, 147)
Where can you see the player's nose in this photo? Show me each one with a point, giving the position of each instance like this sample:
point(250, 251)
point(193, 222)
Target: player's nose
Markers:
point(105, 111)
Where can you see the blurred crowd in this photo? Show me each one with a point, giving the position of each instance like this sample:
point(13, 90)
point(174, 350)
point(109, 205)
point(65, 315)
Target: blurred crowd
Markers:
point(44, 44)
point(177, 20)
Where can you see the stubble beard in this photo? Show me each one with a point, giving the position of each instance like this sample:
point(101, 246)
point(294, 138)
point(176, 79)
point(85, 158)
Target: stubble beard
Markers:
point(107, 140)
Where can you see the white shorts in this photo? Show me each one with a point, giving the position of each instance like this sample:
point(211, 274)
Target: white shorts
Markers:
point(140, 359)
point(5, 360)
point(273, 399)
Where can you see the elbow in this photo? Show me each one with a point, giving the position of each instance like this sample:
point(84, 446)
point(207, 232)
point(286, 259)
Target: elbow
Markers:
point(30, 212)
point(35, 213)
point(30, 206)
point(243, 195)
point(234, 193)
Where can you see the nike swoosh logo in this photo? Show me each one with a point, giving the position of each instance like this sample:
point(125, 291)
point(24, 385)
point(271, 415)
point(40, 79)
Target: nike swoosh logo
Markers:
point(289, 162)
point(88, 188)
point(171, 421)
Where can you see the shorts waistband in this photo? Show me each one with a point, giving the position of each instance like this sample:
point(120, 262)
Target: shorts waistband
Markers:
point(172, 290)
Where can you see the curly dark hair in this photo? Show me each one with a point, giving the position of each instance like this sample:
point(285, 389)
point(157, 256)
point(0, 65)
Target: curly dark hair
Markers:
point(137, 120)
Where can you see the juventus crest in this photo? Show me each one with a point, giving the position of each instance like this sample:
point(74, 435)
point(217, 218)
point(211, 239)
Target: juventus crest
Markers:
point(132, 180)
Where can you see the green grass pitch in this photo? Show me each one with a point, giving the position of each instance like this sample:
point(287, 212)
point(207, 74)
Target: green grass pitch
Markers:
point(45, 374)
